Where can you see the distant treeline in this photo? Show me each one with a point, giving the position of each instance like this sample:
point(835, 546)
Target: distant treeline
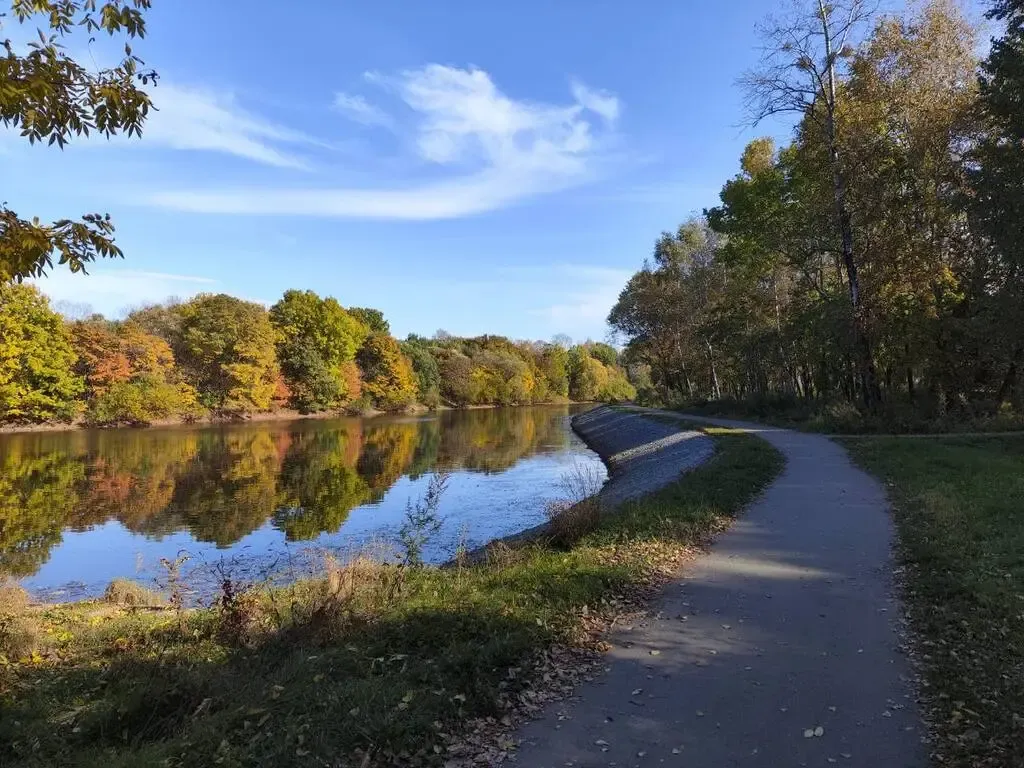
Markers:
point(220, 355)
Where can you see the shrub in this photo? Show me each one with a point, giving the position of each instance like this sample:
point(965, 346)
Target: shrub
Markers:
point(143, 401)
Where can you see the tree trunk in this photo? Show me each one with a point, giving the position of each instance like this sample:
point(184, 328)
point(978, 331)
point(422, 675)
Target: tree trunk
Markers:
point(714, 372)
point(870, 390)
point(1010, 380)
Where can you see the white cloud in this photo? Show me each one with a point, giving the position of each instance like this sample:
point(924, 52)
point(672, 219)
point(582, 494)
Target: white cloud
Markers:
point(486, 150)
point(360, 110)
point(602, 102)
point(200, 119)
point(111, 291)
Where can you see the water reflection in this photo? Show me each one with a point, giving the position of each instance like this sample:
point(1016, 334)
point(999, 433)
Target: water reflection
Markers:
point(286, 481)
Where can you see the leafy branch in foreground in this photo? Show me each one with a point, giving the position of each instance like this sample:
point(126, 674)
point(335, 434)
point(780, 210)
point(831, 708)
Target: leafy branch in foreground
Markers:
point(50, 97)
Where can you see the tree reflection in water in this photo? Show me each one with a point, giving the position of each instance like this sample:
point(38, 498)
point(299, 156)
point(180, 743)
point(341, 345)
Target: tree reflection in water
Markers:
point(220, 484)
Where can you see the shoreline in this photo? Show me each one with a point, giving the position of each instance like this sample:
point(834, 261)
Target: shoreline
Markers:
point(284, 414)
point(641, 453)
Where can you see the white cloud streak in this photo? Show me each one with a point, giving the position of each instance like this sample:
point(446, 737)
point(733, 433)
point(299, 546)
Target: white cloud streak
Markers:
point(358, 109)
point(486, 150)
point(200, 119)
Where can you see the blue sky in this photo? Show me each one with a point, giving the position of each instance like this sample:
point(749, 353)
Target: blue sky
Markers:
point(473, 166)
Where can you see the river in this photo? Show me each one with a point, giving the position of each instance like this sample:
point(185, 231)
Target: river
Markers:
point(263, 500)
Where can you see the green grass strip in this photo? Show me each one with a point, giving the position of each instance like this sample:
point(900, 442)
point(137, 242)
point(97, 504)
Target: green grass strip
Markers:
point(959, 510)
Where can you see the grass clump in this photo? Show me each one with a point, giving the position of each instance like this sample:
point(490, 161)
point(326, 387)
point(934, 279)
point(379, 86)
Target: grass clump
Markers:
point(957, 506)
point(19, 632)
point(578, 513)
point(128, 593)
point(373, 664)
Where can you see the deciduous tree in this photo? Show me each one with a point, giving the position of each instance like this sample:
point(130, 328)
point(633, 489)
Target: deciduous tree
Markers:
point(37, 377)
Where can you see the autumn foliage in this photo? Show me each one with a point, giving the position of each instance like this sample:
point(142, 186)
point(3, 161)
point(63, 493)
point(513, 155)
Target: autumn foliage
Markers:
point(220, 355)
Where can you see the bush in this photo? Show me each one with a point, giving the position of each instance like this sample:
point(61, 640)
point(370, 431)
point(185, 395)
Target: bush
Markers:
point(143, 401)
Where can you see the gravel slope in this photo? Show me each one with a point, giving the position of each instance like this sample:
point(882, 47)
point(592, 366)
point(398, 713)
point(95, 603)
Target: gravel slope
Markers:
point(642, 455)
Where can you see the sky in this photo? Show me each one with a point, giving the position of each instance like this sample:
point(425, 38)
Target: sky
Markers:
point(477, 167)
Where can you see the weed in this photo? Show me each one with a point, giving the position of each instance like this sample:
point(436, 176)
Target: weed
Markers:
point(423, 519)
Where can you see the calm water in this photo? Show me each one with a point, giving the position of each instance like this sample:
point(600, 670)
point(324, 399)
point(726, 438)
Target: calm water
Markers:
point(78, 509)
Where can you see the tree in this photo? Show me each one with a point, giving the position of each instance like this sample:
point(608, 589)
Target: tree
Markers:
point(457, 386)
point(227, 352)
point(316, 339)
point(800, 73)
point(371, 318)
point(428, 374)
point(48, 96)
point(616, 387)
point(554, 365)
point(998, 183)
point(606, 354)
point(37, 377)
point(388, 377)
point(130, 375)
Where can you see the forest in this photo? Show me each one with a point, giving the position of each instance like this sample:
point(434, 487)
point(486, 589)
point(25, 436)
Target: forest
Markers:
point(216, 355)
point(875, 263)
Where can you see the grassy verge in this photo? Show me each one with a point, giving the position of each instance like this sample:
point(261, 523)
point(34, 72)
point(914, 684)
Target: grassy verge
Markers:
point(371, 665)
point(840, 417)
point(959, 508)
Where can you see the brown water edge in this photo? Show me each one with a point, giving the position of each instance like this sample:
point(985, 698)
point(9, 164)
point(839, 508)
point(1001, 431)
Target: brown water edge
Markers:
point(283, 414)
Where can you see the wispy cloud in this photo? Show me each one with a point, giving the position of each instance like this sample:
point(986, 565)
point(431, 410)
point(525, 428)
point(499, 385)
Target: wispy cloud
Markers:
point(602, 102)
point(358, 109)
point(202, 119)
point(112, 291)
point(585, 294)
point(485, 150)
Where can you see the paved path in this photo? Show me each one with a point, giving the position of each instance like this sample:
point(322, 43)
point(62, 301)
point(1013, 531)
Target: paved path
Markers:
point(786, 626)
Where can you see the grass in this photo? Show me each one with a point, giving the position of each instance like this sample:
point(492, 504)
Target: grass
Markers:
point(840, 417)
point(130, 593)
point(959, 510)
point(371, 665)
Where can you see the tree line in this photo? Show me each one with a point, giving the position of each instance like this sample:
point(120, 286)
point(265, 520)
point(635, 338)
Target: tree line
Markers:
point(219, 355)
point(878, 258)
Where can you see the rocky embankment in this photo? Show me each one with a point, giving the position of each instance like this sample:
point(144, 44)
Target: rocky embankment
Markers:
point(642, 454)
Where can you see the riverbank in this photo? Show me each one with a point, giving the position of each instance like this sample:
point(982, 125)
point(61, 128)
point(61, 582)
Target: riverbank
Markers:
point(368, 666)
point(283, 414)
